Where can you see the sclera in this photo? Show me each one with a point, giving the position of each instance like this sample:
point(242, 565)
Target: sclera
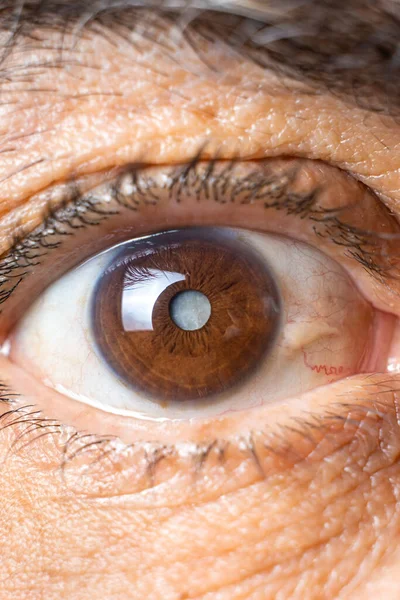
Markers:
point(328, 332)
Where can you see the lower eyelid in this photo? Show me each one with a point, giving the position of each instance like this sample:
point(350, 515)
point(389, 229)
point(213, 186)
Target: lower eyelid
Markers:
point(351, 429)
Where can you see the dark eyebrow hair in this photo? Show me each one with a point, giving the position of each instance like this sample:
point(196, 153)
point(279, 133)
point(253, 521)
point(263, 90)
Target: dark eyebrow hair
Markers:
point(349, 47)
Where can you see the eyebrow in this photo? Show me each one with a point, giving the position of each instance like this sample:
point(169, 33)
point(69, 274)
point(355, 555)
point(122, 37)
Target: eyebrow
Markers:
point(347, 47)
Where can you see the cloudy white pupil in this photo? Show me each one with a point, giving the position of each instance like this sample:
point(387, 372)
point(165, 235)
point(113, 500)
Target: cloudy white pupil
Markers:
point(190, 310)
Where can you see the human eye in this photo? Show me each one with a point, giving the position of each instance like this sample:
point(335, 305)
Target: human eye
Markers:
point(272, 315)
point(199, 301)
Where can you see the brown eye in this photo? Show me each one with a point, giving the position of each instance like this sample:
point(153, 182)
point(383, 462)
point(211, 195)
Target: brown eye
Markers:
point(185, 314)
point(170, 326)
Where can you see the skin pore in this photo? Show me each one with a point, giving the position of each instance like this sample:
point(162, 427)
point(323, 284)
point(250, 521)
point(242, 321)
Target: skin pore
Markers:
point(295, 500)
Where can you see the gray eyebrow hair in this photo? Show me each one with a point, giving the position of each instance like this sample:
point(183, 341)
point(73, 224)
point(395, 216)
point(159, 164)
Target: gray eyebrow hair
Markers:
point(349, 47)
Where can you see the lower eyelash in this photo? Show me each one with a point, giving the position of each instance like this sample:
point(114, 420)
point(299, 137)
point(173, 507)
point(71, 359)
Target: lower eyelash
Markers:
point(86, 458)
point(7, 396)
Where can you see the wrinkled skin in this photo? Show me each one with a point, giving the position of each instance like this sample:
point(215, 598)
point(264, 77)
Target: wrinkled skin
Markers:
point(283, 515)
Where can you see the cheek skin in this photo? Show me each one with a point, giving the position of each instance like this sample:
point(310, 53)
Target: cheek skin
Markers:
point(307, 511)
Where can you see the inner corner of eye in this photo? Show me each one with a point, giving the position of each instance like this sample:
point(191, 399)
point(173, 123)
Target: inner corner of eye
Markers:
point(201, 321)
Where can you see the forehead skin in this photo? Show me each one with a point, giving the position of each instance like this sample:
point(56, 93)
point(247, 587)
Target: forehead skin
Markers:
point(320, 523)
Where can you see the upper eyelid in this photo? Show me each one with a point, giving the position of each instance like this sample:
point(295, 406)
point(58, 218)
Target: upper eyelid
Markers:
point(84, 210)
point(17, 190)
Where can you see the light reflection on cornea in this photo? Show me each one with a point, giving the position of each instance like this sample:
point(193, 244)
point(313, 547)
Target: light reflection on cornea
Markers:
point(103, 407)
point(393, 365)
point(5, 348)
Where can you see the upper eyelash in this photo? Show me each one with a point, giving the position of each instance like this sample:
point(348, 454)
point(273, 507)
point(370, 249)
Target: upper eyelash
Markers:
point(82, 210)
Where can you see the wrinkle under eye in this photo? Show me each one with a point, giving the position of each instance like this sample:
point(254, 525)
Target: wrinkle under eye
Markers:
point(139, 338)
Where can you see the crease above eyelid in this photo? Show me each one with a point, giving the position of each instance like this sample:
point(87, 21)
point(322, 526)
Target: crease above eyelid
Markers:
point(30, 213)
point(21, 220)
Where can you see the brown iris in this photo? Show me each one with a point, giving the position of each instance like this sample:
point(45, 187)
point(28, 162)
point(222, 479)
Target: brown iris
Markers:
point(185, 314)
